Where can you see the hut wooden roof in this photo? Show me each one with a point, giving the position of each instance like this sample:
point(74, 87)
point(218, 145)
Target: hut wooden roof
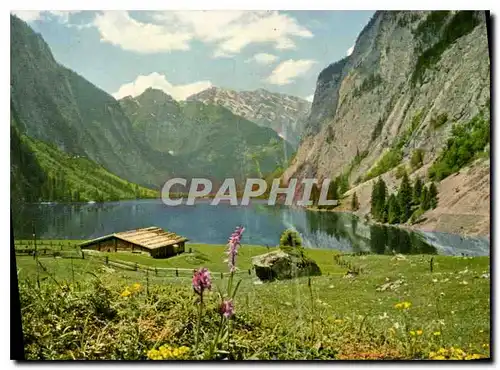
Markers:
point(150, 237)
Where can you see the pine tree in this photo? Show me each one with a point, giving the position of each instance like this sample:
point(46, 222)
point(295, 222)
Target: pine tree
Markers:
point(405, 198)
point(433, 201)
point(394, 211)
point(378, 203)
point(333, 193)
point(354, 202)
point(417, 191)
point(425, 200)
point(315, 193)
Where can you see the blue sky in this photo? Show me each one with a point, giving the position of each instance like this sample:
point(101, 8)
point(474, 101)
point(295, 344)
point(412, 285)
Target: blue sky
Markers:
point(184, 52)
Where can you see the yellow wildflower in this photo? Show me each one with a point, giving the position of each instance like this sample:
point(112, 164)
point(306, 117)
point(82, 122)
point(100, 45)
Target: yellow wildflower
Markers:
point(168, 353)
point(412, 333)
point(419, 332)
point(125, 293)
point(486, 345)
point(474, 356)
point(402, 305)
point(439, 357)
point(436, 333)
point(136, 286)
point(338, 321)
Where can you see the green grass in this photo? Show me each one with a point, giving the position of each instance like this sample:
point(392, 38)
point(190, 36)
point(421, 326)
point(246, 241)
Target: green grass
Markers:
point(337, 317)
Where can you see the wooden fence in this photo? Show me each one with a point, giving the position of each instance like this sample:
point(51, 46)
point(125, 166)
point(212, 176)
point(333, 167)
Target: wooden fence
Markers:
point(76, 253)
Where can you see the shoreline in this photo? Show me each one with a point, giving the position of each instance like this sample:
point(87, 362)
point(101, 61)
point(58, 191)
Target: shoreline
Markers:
point(415, 227)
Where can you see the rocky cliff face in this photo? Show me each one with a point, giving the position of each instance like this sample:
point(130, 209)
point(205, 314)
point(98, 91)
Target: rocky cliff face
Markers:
point(411, 76)
point(285, 114)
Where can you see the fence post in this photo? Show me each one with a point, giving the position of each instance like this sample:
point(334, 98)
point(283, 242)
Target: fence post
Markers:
point(107, 260)
point(176, 272)
point(249, 272)
point(136, 266)
point(156, 271)
point(190, 250)
point(432, 264)
point(83, 255)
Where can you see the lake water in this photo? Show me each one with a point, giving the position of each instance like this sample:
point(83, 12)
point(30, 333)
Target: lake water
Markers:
point(203, 223)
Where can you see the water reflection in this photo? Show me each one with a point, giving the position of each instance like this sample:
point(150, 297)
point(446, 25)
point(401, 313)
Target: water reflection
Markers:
point(209, 224)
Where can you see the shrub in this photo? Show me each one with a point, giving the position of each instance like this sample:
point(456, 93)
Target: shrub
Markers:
point(290, 238)
point(439, 120)
point(467, 141)
point(400, 171)
point(417, 159)
point(388, 161)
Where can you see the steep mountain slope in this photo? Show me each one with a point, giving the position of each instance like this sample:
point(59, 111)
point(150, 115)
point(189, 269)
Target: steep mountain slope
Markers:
point(283, 113)
point(209, 139)
point(410, 78)
point(56, 105)
point(41, 172)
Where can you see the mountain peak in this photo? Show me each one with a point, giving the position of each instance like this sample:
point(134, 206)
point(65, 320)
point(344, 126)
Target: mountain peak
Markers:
point(283, 113)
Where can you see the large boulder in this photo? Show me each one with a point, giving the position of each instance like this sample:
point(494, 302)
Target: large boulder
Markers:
point(282, 264)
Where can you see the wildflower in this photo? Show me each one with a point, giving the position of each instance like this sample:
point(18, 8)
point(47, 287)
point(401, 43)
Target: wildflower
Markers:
point(136, 287)
point(402, 305)
point(202, 280)
point(168, 353)
point(436, 333)
point(474, 356)
point(338, 321)
point(412, 333)
point(233, 245)
point(486, 345)
point(126, 293)
point(227, 308)
point(419, 332)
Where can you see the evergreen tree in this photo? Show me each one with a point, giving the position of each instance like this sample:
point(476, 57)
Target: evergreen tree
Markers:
point(405, 198)
point(417, 191)
point(342, 183)
point(425, 200)
point(333, 193)
point(315, 192)
point(433, 201)
point(354, 202)
point(379, 193)
point(394, 211)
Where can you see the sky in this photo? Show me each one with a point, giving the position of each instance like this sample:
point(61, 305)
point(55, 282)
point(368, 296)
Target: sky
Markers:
point(185, 52)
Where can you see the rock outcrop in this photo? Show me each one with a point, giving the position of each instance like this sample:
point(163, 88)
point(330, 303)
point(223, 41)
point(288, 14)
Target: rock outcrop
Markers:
point(279, 265)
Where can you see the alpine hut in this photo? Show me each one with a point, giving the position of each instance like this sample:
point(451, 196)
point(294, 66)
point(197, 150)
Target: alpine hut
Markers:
point(153, 240)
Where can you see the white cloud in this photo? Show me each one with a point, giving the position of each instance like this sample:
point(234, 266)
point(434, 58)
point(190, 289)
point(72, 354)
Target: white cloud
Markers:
point(118, 28)
point(350, 50)
point(310, 98)
point(36, 15)
point(286, 71)
point(228, 31)
point(159, 81)
point(263, 58)
point(28, 15)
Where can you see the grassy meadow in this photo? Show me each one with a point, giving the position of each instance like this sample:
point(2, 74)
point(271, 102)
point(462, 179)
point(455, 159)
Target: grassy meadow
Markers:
point(396, 308)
